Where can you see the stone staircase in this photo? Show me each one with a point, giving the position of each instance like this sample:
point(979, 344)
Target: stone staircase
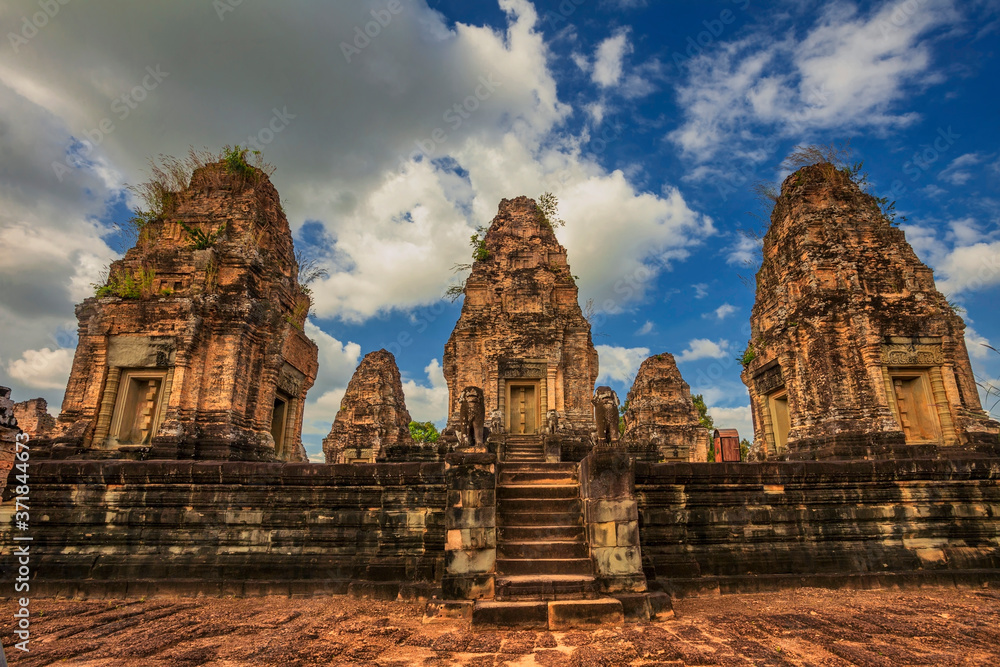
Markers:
point(542, 549)
point(524, 448)
point(544, 572)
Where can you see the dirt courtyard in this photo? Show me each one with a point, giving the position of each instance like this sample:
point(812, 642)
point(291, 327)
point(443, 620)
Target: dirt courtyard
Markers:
point(933, 626)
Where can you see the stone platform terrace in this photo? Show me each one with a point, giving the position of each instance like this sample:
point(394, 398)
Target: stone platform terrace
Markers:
point(128, 529)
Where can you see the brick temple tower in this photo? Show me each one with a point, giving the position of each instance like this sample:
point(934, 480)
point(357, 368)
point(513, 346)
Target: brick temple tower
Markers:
point(855, 353)
point(195, 348)
point(522, 337)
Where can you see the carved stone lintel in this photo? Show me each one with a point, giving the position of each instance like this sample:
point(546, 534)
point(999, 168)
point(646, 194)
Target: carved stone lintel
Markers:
point(769, 380)
point(901, 354)
point(519, 368)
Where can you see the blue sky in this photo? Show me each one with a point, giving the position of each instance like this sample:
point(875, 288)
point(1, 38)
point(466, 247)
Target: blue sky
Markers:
point(649, 120)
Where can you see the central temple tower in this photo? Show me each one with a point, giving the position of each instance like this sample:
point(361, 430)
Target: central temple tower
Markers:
point(522, 337)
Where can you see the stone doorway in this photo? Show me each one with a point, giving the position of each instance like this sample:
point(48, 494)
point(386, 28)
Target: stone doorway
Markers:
point(522, 407)
point(778, 407)
point(137, 410)
point(915, 406)
point(279, 422)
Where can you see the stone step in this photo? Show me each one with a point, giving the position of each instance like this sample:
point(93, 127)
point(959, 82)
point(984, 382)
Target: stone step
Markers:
point(571, 533)
point(508, 519)
point(548, 549)
point(549, 467)
point(511, 614)
point(540, 477)
point(527, 457)
point(533, 505)
point(538, 472)
point(539, 491)
point(535, 566)
point(545, 587)
point(552, 615)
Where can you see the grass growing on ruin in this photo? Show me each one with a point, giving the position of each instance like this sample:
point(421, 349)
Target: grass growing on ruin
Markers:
point(748, 355)
point(199, 239)
point(127, 285)
point(833, 158)
point(548, 206)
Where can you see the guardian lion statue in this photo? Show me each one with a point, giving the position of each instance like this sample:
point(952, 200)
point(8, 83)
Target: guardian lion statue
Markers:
point(472, 417)
point(606, 406)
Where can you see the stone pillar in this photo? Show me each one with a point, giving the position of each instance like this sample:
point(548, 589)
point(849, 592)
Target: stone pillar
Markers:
point(471, 526)
point(607, 486)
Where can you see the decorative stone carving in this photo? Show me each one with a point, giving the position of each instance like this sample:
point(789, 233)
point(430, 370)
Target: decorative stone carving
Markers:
point(373, 417)
point(909, 354)
point(206, 358)
point(855, 351)
point(472, 417)
point(606, 415)
point(552, 422)
point(496, 423)
point(769, 378)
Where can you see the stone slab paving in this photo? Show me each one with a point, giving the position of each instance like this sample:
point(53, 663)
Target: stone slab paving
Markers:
point(934, 626)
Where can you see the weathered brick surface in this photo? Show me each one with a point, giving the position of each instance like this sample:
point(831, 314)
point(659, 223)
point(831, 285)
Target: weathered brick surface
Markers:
point(372, 419)
point(521, 320)
point(9, 431)
point(224, 322)
point(842, 303)
point(744, 526)
point(138, 527)
point(33, 417)
point(661, 422)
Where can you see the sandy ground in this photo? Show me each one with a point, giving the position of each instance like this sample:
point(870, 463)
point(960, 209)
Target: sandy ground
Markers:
point(805, 627)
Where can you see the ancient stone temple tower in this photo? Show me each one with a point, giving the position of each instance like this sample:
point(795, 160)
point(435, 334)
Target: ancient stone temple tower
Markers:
point(854, 351)
point(195, 348)
point(522, 337)
point(661, 422)
point(372, 418)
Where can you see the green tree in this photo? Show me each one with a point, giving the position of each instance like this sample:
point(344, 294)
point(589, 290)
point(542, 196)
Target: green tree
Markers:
point(706, 421)
point(744, 449)
point(424, 432)
point(703, 416)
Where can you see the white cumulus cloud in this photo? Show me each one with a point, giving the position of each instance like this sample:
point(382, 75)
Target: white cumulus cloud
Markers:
point(620, 364)
point(703, 348)
point(609, 59)
point(42, 369)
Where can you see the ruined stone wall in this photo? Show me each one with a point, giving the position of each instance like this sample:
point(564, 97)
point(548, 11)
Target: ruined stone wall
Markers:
point(521, 320)
point(33, 417)
point(115, 528)
point(740, 527)
point(855, 352)
point(661, 422)
point(373, 418)
point(135, 528)
point(212, 336)
point(9, 431)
